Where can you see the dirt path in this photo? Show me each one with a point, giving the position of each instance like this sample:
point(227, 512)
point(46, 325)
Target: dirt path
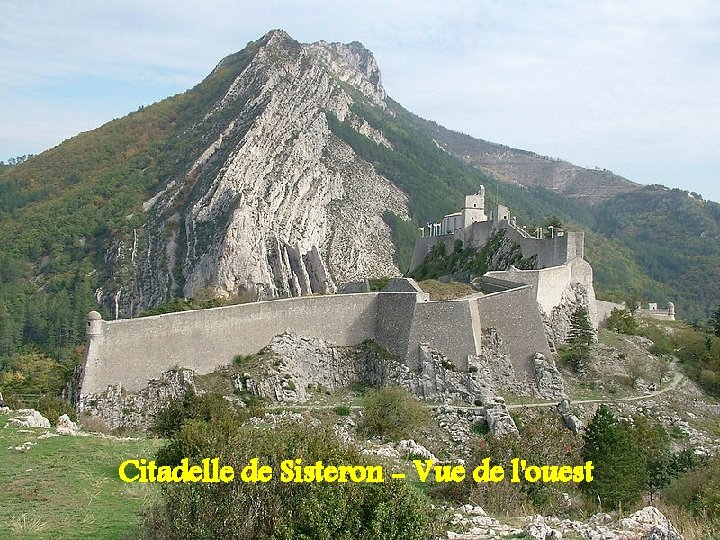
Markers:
point(677, 379)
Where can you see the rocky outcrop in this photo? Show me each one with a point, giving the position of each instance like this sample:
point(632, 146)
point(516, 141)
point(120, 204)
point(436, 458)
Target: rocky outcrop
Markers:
point(572, 422)
point(496, 367)
point(137, 410)
point(498, 418)
point(549, 381)
point(29, 418)
point(646, 524)
point(273, 204)
point(300, 364)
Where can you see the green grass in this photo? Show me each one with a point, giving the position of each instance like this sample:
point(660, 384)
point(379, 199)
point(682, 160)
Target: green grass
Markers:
point(67, 487)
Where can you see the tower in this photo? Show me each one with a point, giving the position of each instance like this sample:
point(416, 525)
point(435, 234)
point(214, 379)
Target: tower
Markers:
point(94, 325)
point(474, 209)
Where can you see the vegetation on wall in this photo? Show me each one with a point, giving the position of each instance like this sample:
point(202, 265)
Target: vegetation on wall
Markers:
point(499, 253)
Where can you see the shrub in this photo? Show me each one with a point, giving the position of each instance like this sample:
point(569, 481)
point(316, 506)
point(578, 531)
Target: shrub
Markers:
point(210, 407)
point(393, 413)
point(287, 510)
point(342, 410)
point(94, 424)
point(53, 408)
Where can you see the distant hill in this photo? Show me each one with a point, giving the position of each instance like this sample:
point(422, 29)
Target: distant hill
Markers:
point(524, 168)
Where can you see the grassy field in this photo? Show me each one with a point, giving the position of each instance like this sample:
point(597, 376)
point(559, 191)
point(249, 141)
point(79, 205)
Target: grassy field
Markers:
point(67, 487)
point(445, 291)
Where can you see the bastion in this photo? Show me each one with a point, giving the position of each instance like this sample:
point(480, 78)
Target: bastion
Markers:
point(400, 318)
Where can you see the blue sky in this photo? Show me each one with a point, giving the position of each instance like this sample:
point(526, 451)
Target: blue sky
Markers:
point(633, 87)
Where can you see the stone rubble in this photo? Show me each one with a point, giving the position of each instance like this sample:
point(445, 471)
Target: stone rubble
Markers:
point(645, 524)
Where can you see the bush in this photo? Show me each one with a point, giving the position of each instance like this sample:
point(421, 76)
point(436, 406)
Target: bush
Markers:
point(94, 424)
point(623, 322)
point(53, 408)
point(287, 510)
point(210, 407)
point(342, 410)
point(393, 412)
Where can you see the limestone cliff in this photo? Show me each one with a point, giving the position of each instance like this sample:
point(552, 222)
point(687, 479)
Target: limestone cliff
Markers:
point(272, 204)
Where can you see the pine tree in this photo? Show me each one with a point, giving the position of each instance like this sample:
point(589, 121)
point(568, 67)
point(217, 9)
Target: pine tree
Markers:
point(715, 321)
point(581, 329)
point(620, 464)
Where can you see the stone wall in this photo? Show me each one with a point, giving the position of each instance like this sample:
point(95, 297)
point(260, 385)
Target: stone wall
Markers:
point(449, 327)
point(551, 286)
point(550, 251)
point(515, 317)
point(132, 351)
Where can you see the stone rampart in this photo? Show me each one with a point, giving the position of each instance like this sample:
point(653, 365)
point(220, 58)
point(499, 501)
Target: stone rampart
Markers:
point(550, 252)
point(550, 285)
point(131, 351)
point(515, 317)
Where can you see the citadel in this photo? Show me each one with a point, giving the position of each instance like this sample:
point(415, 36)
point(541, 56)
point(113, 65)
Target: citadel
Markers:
point(499, 338)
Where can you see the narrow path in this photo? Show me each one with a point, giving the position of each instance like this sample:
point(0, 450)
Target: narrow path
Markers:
point(677, 379)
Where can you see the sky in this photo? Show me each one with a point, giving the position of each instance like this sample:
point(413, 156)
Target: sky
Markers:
point(630, 86)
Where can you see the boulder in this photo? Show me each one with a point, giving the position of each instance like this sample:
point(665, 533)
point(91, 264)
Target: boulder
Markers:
point(651, 523)
point(65, 426)
point(410, 448)
point(29, 418)
point(537, 529)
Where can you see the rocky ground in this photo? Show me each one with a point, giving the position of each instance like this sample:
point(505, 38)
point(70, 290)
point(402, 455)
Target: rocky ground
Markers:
point(307, 380)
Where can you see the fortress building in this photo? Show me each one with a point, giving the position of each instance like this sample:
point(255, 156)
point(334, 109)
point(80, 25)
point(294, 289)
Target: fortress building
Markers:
point(512, 322)
point(561, 271)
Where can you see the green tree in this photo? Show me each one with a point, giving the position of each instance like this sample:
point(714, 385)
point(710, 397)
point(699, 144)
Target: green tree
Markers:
point(715, 321)
point(581, 329)
point(620, 463)
point(623, 322)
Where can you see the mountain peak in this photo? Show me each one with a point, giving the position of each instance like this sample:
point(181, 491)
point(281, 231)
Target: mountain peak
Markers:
point(356, 65)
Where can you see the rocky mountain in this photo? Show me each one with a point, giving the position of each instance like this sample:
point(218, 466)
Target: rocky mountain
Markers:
point(288, 171)
point(278, 205)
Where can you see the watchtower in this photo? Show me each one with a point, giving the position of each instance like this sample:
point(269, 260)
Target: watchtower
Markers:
point(474, 209)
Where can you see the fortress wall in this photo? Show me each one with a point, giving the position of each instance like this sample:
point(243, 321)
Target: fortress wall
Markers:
point(424, 245)
point(132, 351)
point(605, 308)
point(515, 317)
point(393, 326)
point(550, 251)
point(547, 285)
point(582, 272)
point(446, 327)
